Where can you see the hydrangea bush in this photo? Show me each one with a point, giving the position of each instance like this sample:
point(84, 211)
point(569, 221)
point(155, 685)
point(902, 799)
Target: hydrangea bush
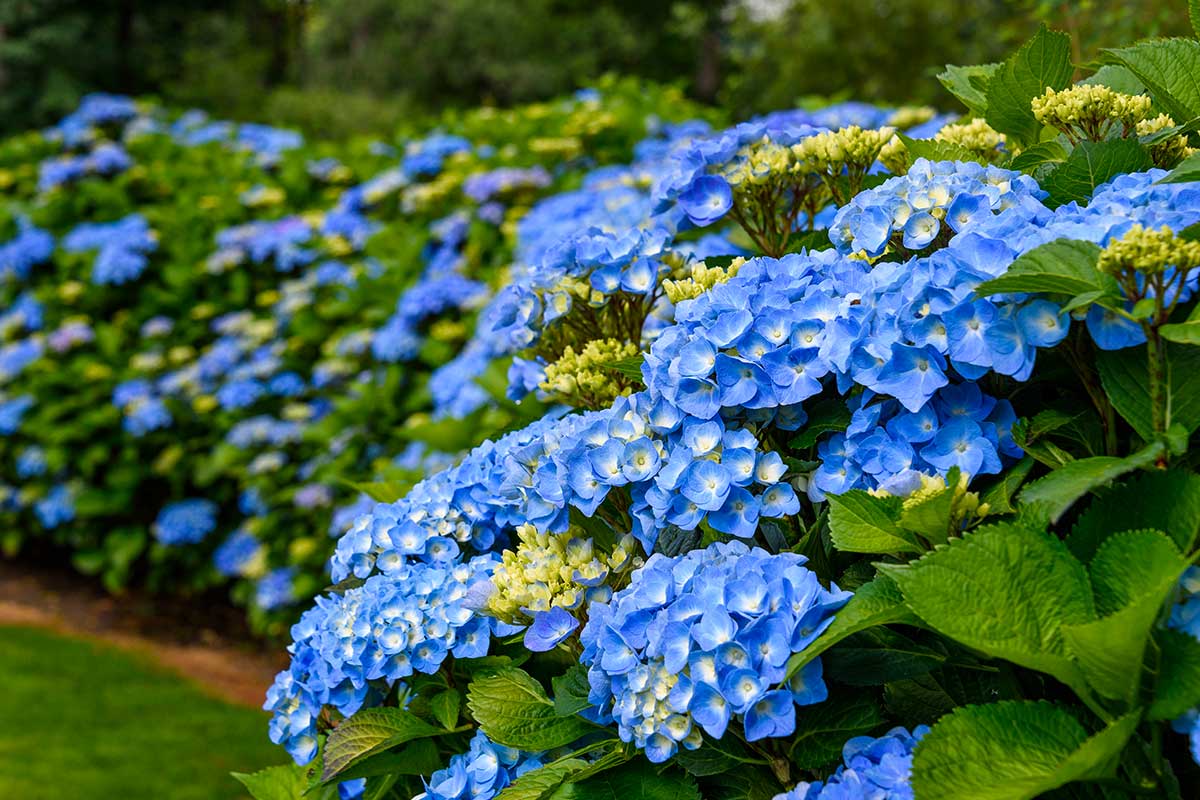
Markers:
point(836, 454)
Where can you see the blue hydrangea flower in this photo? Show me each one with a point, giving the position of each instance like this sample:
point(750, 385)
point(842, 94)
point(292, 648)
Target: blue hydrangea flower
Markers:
point(699, 640)
point(185, 522)
point(404, 621)
point(57, 508)
point(275, 589)
point(238, 554)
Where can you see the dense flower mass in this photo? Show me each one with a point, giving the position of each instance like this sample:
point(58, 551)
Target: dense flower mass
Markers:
point(699, 640)
point(405, 621)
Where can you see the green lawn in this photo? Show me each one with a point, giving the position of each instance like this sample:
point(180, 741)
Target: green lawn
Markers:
point(84, 721)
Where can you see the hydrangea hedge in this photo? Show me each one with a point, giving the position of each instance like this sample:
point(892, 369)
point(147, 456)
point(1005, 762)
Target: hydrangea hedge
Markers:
point(217, 339)
point(835, 454)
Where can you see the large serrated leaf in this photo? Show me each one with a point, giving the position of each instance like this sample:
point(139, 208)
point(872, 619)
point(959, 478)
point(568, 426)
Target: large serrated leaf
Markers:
point(1013, 750)
point(1091, 164)
point(877, 656)
point(859, 522)
point(1185, 171)
point(876, 603)
point(969, 84)
point(513, 710)
point(1163, 500)
point(1055, 493)
point(1044, 61)
point(1130, 564)
point(1064, 266)
point(1004, 590)
point(370, 731)
point(1169, 68)
point(999, 496)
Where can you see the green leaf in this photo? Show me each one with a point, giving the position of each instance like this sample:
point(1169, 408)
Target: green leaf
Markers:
point(826, 416)
point(822, 730)
point(637, 779)
point(1117, 78)
point(419, 757)
point(1040, 154)
point(1194, 15)
point(1178, 687)
point(513, 710)
point(930, 515)
point(1064, 266)
point(1169, 68)
point(1058, 491)
point(371, 731)
point(1126, 382)
point(1091, 164)
point(926, 698)
point(1183, 332)
point(445, 707)
point(1044, 61)
point(1163, 500)
point(1013, 750)
point(862, 523)
point(1004, 590)
point(876, 603)
point(969, 84)
point(571, 691)
point(1185, 171)
point(1131, 564)
point(743, 784)
point(544, 782)
point(878, 656)
point(715, 756)
point(285, 782)
point(939, 150)
point(629, 367)
point(999, 496)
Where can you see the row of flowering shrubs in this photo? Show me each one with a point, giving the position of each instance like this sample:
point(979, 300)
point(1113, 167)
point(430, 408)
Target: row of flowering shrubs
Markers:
point(835, 454)
point(217, 339)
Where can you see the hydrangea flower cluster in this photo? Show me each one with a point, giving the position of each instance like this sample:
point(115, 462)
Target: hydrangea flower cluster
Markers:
point(932, 199)
point(19, 255)
point(481, 773)
point(699, 640)
point(871, 769)
point(241, 554)
point(886, 446)
point(123, 248)
point(408, 620)
point(185, 521)
point(105, 160)
point(280, 241)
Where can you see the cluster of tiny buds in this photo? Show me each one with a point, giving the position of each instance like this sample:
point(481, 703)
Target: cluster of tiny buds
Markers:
point(702, 279)
point(1089, 112)
point(1149, 251)
point(585, 378)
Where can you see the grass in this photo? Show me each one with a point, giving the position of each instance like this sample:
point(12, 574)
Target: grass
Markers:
point(85, 721)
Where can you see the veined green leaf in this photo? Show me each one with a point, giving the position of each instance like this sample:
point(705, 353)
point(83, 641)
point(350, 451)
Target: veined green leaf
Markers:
point(1044, 61)
point(1064, 266)
point(513, 710)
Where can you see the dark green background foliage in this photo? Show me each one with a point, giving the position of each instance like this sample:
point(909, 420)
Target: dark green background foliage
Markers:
point(339, 67)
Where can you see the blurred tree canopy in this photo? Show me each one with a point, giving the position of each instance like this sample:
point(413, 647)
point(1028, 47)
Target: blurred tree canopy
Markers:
point(337, 67)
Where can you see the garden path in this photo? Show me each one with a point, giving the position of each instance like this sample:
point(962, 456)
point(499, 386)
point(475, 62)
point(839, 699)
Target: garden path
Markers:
point(205, 645)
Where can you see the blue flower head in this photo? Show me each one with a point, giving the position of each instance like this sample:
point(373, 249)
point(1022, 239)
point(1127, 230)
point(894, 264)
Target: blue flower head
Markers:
point(185, 522)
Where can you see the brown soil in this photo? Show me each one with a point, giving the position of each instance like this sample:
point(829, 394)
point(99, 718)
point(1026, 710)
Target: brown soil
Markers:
point(208, 644)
